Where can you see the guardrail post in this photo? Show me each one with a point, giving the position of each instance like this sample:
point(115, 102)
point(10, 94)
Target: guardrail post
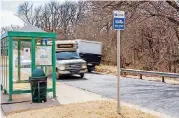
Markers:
point(140, 76)
point(123, 74)
point(163, 80)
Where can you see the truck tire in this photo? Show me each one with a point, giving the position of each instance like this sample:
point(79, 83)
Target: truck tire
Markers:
point(81, 75)
point(89, 70)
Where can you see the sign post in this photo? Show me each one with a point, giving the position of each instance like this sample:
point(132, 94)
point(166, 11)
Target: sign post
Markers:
point(118, 24)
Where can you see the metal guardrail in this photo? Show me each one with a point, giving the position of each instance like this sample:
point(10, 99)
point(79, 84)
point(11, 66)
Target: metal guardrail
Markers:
point(154, 73)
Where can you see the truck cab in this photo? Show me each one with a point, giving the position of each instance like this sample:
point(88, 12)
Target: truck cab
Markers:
point(68, 61)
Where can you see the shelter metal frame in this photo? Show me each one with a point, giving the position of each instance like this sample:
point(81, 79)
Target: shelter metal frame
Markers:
point(7, 58)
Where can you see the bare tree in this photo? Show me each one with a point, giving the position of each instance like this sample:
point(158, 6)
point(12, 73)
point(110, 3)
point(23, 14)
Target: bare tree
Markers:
point(149, 41)
point(53, 16)
point(26, 13)
point(9, 28)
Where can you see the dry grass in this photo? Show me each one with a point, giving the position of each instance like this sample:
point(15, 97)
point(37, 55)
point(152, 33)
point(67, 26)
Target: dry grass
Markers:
point(113, 71)
point(107, 69)
point(96, 109)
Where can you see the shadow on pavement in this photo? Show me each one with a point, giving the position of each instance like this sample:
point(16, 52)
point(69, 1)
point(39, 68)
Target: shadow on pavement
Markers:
point(70, 78)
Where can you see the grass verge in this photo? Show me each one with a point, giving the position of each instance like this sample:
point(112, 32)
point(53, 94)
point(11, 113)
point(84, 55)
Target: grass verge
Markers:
point(94, 109)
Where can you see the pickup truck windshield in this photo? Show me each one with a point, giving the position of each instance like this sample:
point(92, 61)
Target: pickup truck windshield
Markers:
point(66, 55)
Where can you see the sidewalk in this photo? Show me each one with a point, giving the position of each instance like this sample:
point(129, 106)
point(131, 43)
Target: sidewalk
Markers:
point(65, 95)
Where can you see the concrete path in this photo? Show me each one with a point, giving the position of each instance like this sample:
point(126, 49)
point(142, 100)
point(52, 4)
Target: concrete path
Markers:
point(67, 94)
point(156, 96)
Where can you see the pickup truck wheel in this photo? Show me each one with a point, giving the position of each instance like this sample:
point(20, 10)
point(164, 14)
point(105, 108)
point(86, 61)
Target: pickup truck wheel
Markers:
point(81, 75)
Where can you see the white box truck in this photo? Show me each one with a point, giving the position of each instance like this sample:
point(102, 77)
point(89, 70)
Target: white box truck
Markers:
point(90, 51)
point(68, 61)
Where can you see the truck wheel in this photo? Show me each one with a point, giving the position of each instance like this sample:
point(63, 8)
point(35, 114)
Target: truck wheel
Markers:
point(81, 75)
point(89, 70)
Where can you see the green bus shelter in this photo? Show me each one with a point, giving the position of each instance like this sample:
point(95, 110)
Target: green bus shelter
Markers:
point(30, 34)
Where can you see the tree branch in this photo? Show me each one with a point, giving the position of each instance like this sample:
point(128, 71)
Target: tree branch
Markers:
point(173, 4)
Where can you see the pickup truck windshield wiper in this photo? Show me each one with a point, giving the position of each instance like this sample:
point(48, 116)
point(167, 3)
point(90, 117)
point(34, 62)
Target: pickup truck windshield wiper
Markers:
point(60, 59)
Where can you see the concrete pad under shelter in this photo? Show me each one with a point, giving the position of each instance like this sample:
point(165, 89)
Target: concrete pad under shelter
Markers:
point(23, 102)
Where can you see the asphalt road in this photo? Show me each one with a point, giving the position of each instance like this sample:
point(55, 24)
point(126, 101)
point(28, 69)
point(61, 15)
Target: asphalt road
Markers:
point(156, 96)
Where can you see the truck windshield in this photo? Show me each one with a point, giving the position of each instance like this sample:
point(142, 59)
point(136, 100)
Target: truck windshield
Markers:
point(66, 55)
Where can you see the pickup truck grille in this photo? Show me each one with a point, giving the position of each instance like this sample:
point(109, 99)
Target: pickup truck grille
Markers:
point(73, 66)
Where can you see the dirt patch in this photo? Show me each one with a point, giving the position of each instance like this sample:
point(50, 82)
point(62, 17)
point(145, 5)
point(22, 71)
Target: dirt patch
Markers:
point(106, 69)
point(96, 109)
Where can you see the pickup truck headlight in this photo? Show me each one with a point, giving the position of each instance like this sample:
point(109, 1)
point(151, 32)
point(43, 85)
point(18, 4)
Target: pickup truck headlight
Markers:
point(61, 67)
point(84, 66)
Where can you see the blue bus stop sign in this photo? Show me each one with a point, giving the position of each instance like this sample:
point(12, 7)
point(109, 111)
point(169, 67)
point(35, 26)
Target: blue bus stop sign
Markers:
point(118, 20)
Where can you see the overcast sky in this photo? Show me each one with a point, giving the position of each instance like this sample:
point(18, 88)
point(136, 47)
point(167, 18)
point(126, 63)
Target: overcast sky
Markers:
point(9, 9)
